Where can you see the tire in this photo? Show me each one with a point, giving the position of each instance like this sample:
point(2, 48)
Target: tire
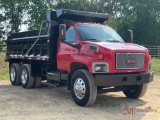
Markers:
point(27, 81)
point(14, 74)
point(37, 82)
point(135, 91)
point(88, 93)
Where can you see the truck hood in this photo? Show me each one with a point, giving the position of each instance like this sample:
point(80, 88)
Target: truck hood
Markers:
point(118, 46)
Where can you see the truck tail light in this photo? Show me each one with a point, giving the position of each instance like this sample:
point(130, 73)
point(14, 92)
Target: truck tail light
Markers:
point(100, 57)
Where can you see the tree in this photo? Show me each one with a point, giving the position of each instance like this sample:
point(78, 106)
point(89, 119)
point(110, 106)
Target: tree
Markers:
point(82, 5)
point(147, 24)
point(13, 12)
point(142, 16)
point(1, 27)
point(37, 9)
point(37, 12)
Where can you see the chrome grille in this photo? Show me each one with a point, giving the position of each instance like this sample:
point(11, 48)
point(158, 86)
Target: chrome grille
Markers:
point(129, 60)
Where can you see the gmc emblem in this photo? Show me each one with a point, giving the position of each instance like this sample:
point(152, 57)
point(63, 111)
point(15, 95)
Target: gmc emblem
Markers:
point(131, 61)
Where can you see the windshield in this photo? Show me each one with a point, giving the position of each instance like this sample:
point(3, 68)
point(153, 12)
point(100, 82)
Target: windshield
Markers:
point(98, 33)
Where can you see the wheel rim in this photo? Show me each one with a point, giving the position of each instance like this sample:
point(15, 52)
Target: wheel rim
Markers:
point(79, 88)
point(12, 74)
point(24, 76)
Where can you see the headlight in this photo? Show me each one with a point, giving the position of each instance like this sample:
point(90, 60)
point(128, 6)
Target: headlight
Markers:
point(100, 67)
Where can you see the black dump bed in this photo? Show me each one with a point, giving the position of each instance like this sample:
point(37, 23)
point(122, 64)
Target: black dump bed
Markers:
point(18, 44)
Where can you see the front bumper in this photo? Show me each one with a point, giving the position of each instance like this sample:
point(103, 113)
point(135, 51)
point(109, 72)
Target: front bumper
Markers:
point(123, 79)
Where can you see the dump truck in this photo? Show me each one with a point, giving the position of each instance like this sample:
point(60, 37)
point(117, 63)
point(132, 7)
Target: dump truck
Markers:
point(78, 49)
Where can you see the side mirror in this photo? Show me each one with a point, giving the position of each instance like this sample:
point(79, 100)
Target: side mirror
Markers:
point(129, 36)
point(62, 32)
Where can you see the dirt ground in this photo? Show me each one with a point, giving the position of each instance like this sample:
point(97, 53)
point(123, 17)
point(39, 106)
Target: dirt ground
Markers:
point(56, 103)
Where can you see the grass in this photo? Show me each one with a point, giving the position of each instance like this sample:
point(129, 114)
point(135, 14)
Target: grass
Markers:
point(156, 66)
point(4, 72)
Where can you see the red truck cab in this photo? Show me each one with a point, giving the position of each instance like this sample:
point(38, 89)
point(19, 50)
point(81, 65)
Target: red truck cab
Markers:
point(97, 41)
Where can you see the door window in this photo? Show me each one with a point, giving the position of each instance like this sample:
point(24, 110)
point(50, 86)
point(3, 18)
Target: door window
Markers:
point(70, 35)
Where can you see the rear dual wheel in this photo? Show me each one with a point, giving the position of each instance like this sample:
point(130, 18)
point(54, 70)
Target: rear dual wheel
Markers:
point(15, 74)
point(37, 82)
point(22, 75)
point(27, 80)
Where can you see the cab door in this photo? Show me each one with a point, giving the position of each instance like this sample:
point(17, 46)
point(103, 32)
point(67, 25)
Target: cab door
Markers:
point(65, 51)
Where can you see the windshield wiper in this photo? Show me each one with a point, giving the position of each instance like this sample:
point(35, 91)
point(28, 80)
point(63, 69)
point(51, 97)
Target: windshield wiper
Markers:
point(93, 40)
point(113, 41)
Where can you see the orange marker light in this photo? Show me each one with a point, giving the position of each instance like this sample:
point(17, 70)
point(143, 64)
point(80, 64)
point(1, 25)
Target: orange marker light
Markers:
point(150, 57)
point(100, 57)
point(62, 32)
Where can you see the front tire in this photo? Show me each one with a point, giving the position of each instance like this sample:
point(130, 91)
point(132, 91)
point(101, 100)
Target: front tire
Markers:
point(27, 81)
point(135, 91)
point(15, 74)
point(83, 89)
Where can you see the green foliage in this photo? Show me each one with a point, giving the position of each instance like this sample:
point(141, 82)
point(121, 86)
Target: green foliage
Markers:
point(82, 5)
point(37, 12)
point(12, 12)
point(3, 46)
point(1, 26)
point(4, 72)
point(147, 25)
point(156, 66)
point(1, 32)
point(142, 16)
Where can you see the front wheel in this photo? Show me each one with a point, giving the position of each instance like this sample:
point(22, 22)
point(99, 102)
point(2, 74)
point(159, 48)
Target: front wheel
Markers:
point(135, 91)
point(83, 89)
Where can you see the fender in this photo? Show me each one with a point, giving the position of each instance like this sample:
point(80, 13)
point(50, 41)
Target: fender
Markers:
point(86, 60)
